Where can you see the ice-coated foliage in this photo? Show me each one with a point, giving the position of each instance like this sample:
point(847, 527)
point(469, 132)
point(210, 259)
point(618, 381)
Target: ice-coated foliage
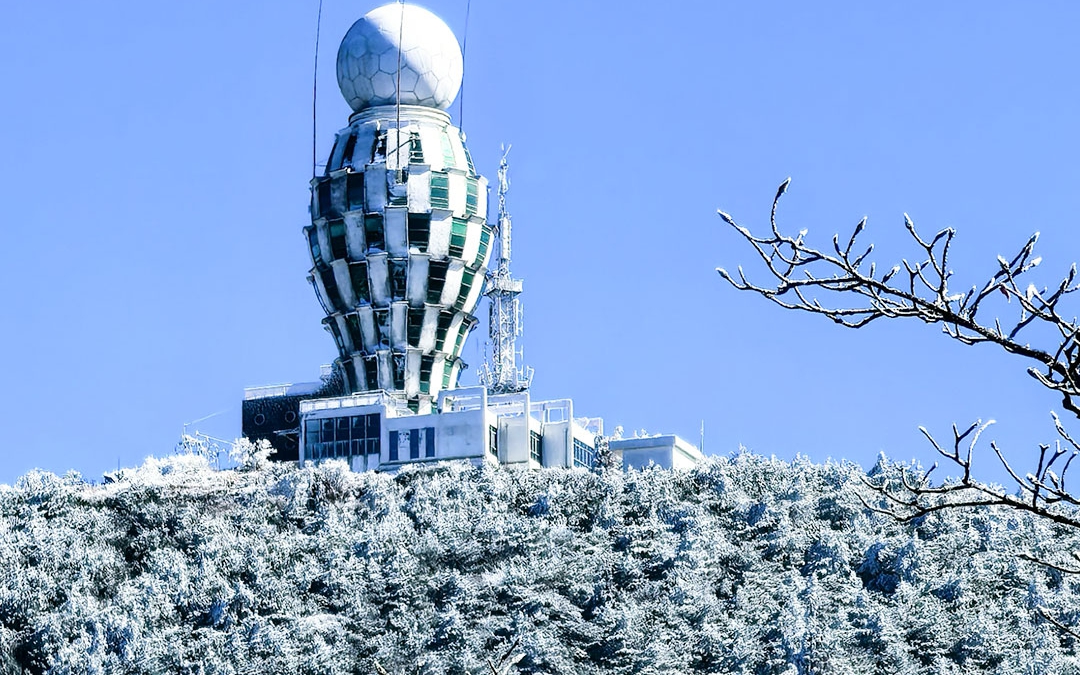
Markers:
point(744, 565)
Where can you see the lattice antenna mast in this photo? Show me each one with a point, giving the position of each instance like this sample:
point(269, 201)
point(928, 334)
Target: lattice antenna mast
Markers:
point(501, 375)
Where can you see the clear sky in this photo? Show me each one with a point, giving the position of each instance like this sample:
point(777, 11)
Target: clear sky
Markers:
point(154, 161)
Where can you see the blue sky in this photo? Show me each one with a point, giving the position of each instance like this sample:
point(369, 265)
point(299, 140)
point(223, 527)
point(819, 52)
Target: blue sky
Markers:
point(155, 160)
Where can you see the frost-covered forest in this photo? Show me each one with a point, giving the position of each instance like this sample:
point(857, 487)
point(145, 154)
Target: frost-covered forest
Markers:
point(744, 565)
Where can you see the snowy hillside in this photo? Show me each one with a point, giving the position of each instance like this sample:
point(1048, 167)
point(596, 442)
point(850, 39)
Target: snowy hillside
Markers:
point(745, 565)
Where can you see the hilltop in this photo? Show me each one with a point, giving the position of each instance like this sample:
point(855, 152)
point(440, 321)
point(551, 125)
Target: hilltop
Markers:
point(743, 565)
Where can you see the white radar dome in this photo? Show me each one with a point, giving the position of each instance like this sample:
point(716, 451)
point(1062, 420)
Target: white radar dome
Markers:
point(431, 64)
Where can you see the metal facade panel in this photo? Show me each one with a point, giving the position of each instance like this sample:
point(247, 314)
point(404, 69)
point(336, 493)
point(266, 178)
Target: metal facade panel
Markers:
point(458, 193)
point(374, 188)
point(344, 282)
point(396, 227)
point(439, 239)
point(379, 276)
point(453, 283)
point(419, 188)
point(418, 279)
point(354, 234)
point(399, 314)
point(427, 331)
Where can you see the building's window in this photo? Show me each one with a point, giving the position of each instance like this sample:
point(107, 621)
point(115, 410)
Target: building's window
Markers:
point(416, 151)
point(468, 158)
point(355, 334)
point(447, 374)
point(399, 371)
point(342, 437)
point(322, 190)
point(350, 147)
point(355, 189)
point(458, 231)
point(335, 332)
point(584, 455)
point(414, 444)
point(338, 248)
point(485, 242)
point(382, 326)
point(333, 295)
point(447, 150)
point(371, 373)
point(399, 278)
point(415, 327)
point(440, 190)
point(373, 232)
point(472, 196)
point(427, 361)
point(429, 442)
point(460, 339)
point(316, 250)
point(419, 231)
point(493, 441)
point(436, 280)
point(536, 447)
point(394, 441)
point(445, 319)
point(359, 276)
point(467, 279)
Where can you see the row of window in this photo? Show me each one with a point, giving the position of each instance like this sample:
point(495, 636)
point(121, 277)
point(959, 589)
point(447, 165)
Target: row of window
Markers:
point(342, 436)
point(324, 204)
point(419, 235)
point(584, 455)
point(410, 443)
point(370, 366)
point(414, 327)
point(399, 283)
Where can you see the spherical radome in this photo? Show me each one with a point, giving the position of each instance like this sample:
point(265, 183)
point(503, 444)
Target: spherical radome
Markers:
point(431, 61)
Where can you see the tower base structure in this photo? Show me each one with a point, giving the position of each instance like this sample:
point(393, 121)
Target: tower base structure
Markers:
point(377, 430)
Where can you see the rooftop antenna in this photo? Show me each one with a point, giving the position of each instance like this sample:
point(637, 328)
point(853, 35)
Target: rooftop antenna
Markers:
point(501, 375)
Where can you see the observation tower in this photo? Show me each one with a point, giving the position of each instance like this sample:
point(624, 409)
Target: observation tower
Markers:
point(400, 253)
point(399, 239)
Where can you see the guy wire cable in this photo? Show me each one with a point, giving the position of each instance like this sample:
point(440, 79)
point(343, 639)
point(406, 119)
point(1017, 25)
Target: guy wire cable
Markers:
point(464, 53)
point(315, 95)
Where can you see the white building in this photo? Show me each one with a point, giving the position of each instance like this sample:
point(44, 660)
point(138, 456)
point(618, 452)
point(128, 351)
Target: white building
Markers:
point(402, 251)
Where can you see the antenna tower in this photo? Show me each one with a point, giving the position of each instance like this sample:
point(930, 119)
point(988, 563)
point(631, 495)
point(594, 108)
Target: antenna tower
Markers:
point(501, 375)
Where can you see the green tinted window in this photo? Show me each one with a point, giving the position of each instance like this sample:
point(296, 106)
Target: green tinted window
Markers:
point(472, 196)
point(458, 231)
point(440, 190)
point(358, 274)
point(447, 151)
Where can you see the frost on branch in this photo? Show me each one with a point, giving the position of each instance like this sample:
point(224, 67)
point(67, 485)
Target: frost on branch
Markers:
point(842, 283)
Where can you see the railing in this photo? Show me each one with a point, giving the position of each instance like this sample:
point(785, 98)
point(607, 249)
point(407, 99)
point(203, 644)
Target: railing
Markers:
point(367, 398)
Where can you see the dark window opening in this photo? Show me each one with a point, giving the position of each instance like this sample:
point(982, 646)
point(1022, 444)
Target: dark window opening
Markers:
point(415, 327)
point(355, 189)
point(373, 232)
point(399, 371)
point(371, 372)
point(584, 456)
point(427, 361)
point(382, 326)
point(355, 334)
point(342, 436)
point(416, 151)
point(316, 250)
point(419, 231)
point(338, 246)
point(536, 447)
point(331, 324)
point(359, 276)
point(326, 203)
point(493, 441)
point(333, 295)
point(399, 278)
point(379, 148)
point(436, 280)
point(445, 318)
point(350, 146)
